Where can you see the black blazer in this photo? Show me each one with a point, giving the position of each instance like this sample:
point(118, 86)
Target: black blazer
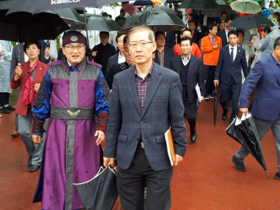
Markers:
point(222, 35)
point(197, 37)
point(112, 60)
point(115, 69)
point(226, 69)
point(170, 39)
point(195, 75)
point(168, 54)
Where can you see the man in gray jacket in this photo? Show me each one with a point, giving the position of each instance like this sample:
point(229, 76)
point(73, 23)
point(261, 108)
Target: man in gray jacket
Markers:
point(146, 101)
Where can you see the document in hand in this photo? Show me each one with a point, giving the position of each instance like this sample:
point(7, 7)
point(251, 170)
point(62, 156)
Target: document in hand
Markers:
point(170, 146)
point(197, 89)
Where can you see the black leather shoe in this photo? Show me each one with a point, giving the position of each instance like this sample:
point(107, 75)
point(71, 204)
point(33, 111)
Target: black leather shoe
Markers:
point(193, 138)
point(224, 116)
point(10, 108)
point(239, 166)
point(34, 168)
point(29, 161)
point(5, 110)
point(277, 176)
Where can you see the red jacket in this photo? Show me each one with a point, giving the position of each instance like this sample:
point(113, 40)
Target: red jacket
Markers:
point(42, 68)
point(210, 55)
point(195, 50)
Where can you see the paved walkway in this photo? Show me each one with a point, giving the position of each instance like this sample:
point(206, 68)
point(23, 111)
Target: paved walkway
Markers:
point(206, 179)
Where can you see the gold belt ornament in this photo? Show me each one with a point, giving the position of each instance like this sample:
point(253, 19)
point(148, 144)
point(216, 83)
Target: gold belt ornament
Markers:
point(73, 114)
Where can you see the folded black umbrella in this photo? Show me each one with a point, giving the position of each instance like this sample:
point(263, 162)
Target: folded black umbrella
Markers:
point(253, 136)
point(244, 132)
point(215, 105)
point(100, 192)
point(236, 134)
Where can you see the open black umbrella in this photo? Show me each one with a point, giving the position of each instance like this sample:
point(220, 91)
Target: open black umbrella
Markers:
point(156, 20)
point(244, 131)
point(217, 12)
point(23, 26)
point(251, 21)
point(100, 192)
point(143, 2)
point(174, 1)
point(80, 10)
point(98, 23)
point(215, 105)
point(69, 15)
point(161, 8)
point(200, 4)
point(36, 6)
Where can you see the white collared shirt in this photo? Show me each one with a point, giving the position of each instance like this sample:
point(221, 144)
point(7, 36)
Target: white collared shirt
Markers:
point(26, 58)
point(234, 51)
point(185, 62)
point(121, 59)
point(226, 34)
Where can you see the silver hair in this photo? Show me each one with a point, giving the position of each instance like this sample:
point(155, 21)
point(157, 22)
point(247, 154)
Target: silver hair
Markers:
point(142, 28)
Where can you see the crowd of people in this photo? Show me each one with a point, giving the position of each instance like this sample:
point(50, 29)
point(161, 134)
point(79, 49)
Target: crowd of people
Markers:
point(150, 82)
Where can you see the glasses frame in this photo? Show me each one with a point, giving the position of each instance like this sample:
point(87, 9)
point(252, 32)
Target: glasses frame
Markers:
point(71, 49)
point(138, 44)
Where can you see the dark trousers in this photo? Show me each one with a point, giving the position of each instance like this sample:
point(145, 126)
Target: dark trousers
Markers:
point(16, 115)
point(209, 73)
point(230, 89)
point(4, 99)
point(131, 183)
point(190, 111)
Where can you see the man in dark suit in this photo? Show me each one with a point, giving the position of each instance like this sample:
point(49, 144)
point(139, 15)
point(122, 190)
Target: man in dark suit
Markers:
point(196, 36)
point(119, 57)
point(163, 54)
point(118, 67)
point(146, 101)
point(265, 78)
point(190, 69)
point(228, 73)
point(170, 41)
point(223, 34)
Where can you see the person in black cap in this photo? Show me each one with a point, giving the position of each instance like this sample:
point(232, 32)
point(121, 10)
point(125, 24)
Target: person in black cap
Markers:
point(103, 51)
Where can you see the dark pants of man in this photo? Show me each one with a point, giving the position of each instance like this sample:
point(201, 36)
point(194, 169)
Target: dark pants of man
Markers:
point(131, 183)
point(210, 74)
point(190, 111)
point(4, 99)
point(230, 89)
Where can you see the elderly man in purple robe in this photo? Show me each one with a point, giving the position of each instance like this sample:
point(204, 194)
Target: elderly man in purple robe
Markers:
point(72, 92)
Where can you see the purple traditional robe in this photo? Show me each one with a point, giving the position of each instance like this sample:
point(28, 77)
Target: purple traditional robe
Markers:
point(71, 154)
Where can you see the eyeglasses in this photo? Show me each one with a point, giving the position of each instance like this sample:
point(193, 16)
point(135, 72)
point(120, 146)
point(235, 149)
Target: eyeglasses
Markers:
point(72, 47)
point(185, 46)
point(142, 44)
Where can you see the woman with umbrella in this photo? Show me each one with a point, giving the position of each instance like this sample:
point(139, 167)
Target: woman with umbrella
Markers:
point(265, 45)
point(29, 77)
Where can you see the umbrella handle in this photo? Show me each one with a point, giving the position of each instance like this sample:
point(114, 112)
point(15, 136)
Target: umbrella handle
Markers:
point(267, 173)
